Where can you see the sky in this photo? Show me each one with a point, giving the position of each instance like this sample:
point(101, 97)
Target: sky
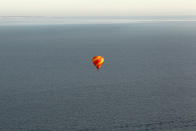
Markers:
point(97, 7)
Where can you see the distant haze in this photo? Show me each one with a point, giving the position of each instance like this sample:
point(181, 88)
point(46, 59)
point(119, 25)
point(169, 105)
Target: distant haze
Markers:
point(97, 7)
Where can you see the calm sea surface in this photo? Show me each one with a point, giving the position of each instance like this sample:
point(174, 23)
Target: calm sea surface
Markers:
point(147, 83)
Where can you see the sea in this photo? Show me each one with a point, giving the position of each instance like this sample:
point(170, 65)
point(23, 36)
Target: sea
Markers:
point(48, 82)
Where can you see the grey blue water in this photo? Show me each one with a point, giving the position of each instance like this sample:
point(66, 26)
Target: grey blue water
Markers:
point(147, 83)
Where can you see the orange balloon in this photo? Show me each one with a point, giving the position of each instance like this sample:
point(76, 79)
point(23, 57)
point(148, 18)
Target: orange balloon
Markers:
point(98, 61)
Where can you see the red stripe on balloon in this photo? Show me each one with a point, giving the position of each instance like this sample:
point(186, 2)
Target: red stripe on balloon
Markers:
point(97, 61)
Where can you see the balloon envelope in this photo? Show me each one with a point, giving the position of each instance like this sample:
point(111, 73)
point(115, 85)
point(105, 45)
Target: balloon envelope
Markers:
point(97, 61)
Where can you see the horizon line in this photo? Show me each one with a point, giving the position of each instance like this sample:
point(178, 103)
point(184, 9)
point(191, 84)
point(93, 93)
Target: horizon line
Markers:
point(99, 16)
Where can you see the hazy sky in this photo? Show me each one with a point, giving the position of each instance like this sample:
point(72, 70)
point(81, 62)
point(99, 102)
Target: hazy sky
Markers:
point(97, 7)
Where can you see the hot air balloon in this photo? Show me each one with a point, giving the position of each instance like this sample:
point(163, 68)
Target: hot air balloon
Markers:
point(97, 61)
